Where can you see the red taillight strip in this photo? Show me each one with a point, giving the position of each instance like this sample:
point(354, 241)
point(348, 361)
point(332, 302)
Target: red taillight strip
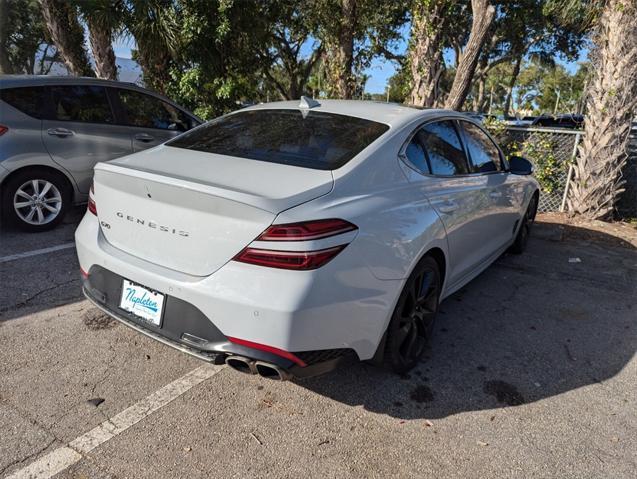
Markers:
point(92, 207)
point(307, 230)
point(269, 349)
point(3, 129)
point(295, 260)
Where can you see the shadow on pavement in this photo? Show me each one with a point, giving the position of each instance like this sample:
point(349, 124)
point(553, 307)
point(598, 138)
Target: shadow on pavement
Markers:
point(557, 318)
point(44, 281)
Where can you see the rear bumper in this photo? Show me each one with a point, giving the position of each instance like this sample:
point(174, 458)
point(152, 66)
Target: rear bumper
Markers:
point(341, 306)
point(187, 329)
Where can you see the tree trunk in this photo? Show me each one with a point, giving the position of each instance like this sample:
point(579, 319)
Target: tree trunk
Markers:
point(483, 16)
point(5, 65)
point(102, 48)
point(429, 20)
point(67, 35)
point(611, 105)
point(340, 53)
point(514, 78)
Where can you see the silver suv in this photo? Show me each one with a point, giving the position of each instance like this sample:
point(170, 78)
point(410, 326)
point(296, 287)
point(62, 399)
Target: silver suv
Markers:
point(53, 130)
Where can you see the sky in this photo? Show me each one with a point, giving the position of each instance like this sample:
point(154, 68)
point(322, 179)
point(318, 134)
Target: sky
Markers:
point(380, 69)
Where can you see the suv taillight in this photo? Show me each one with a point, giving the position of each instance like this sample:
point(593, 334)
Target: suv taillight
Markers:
point(3, 129)
point(92, 207)
point(276, 257)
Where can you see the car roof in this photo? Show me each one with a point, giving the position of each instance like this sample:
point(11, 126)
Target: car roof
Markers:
point(12, 81)
point(392, 114)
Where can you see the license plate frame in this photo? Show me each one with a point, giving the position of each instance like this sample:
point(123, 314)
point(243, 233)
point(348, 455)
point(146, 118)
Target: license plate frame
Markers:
point(142, 302)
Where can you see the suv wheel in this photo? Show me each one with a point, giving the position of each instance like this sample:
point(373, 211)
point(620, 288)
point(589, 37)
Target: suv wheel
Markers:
point(36, 200)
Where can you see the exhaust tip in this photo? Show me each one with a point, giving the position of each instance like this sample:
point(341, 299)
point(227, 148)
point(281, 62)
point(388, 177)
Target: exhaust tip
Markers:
point(241, 364)
point(270, 371)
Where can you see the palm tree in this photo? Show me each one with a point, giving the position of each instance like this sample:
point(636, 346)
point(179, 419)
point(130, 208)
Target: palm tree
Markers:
point(153, 24)
point(104, 19)
point(67, 34)
point(611, 105)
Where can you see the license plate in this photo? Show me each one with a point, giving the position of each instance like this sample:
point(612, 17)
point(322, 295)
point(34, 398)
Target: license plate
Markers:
point(142, 302)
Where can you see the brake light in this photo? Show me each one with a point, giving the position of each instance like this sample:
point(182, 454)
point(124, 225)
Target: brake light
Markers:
point(296, 260)
point(306, 231)
point(92, 207)
point(3, 129)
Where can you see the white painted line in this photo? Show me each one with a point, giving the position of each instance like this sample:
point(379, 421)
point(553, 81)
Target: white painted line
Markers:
point(27, 254)
point(63, 457)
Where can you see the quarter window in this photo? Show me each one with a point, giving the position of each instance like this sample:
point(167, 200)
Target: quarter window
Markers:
point(149, 112)
point(415, 153)
point(86, 103)
point(485, 156)
point(33, 101)
point(446, 156)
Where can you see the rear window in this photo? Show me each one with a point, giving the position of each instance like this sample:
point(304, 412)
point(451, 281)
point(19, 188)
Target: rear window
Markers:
point(32, 101)
point(310, 139)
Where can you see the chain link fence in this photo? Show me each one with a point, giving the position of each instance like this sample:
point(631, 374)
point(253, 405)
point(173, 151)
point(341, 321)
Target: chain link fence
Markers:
point(552, 151)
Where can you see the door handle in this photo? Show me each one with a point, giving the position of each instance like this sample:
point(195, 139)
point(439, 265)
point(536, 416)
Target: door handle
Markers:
point(145, 137)
point(448, 207)
point(495, 195)
point(61, 132)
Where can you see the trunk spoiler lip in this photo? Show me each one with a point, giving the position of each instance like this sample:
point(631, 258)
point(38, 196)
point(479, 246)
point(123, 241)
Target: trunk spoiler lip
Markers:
point(264, 203)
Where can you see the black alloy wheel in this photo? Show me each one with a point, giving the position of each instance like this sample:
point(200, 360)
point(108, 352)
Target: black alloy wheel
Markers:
point(413, 320)
point(522, 238)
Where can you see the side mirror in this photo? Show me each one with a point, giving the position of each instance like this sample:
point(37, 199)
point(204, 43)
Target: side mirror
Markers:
point(520, 166)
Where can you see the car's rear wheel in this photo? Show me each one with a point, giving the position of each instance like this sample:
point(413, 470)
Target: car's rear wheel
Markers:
point(522, 238)
point(412, 323)
point(36, 200)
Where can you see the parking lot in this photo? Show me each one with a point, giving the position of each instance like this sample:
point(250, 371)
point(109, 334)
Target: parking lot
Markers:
point(532, 374)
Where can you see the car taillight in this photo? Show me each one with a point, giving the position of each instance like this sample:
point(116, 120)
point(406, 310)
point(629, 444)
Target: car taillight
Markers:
point(3, 129)
point(298, 260)
point(279, 257)
point(92, 207)
point(309, 230)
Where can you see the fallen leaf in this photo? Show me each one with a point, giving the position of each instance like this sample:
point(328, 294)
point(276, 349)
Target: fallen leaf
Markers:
point(95, 401)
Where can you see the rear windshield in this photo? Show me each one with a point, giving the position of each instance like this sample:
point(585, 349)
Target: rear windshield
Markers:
point(310, 139)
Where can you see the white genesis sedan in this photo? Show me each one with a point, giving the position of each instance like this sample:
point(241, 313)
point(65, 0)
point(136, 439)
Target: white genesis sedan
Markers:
point(286, 237)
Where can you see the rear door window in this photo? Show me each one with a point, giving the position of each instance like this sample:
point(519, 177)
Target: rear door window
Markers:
point(309, 139)
point(445, 152)
point(146, 111)
point(82, 103)
point(32, 101)
point(485, 156)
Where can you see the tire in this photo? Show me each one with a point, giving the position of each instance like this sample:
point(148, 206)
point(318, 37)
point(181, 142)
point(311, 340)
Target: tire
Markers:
point(412, 323)
point(522, 238)
point(44, 196)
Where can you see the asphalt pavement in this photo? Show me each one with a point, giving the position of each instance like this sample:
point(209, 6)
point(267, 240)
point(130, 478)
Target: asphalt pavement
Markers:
point(532, 373)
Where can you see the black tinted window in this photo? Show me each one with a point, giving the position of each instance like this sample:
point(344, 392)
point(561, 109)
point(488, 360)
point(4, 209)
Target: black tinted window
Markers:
point(310, 139)
point(444, 149)
point(150, 112)
point(485, 156)
point(32, 101)
point(415, 153)
point(84, 103)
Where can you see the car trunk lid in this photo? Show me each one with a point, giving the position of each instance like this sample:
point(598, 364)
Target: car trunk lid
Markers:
point(193, 212)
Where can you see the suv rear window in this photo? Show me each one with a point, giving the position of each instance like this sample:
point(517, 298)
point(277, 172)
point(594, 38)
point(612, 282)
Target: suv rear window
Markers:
point(317, 140)
point(32, 101)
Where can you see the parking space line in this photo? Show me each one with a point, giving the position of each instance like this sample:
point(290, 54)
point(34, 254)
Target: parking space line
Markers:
point(63, 457)
point(27, 254)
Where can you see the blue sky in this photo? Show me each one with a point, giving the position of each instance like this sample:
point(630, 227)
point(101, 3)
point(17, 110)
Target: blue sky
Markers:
point(379, 71)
